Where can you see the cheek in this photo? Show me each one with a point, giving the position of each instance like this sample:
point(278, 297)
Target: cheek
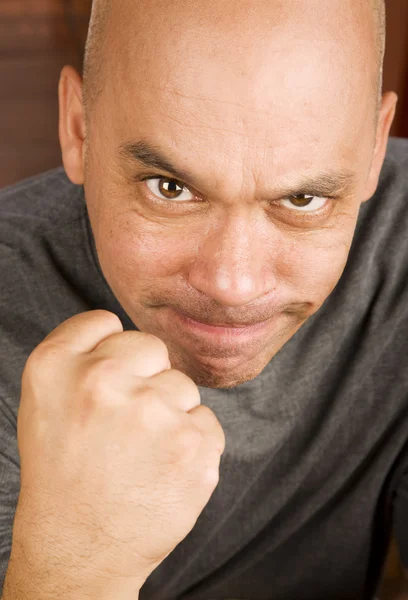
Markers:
point(136, 253)
point(314, 266)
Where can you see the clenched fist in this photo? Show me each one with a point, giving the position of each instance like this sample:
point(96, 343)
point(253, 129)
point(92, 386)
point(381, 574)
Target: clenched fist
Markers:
point(118, 460)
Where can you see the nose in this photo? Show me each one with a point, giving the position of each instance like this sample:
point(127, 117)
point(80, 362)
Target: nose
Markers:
point(234, 263)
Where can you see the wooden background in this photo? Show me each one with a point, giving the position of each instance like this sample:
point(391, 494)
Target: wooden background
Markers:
point(38, 37)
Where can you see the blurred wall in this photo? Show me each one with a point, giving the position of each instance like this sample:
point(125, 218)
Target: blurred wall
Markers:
point(35, 41)
point(37, 37)
point(396, 62)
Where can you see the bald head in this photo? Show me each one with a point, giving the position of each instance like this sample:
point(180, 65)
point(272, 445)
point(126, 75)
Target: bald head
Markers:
point(94, 50)
point(98, 43)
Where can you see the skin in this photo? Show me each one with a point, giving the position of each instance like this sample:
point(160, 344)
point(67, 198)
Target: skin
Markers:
point(247, 101)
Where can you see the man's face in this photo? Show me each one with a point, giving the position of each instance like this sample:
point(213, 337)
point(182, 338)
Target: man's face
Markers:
point(255, 103)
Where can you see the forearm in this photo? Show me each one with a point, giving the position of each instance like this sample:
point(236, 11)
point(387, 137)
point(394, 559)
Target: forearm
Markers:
point(21, 588)
point(49, 568)
point(24, 580)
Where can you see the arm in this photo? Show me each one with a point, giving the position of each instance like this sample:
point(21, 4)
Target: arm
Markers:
point(30, 577)
point(23, 581)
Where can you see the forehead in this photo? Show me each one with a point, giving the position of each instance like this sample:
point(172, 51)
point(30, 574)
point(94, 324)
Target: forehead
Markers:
point(279, 80)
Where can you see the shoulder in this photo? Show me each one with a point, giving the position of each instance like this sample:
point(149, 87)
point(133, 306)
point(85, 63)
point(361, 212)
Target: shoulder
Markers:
point(40, 237)
point(43, 202)
point(43, 247)
point(392, 191)
point(397, 154)
point(382, 226)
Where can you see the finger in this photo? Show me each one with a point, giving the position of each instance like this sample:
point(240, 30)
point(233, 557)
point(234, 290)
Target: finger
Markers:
point(177, 389)
point(210, 426)
point(140, 354)
point(83, 332)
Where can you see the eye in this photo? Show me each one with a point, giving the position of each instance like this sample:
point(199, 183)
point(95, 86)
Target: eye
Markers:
point(304, 203)
point(167, 189)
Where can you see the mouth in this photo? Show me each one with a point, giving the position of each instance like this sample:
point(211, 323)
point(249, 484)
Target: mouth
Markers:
point(225, 325)
point(225, 333)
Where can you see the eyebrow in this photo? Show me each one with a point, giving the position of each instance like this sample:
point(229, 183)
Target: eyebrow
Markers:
point(325, 183)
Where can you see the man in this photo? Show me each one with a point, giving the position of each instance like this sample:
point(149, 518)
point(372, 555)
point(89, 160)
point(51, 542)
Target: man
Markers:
point(226, 164)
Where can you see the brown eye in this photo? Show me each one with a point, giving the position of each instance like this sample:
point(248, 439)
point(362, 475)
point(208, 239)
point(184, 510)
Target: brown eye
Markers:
point(166, 188)
point(302, 200)
point(169, 188)
point(304, 203)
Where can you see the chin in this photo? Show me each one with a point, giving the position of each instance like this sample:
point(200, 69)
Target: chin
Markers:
point(207, 375)
point(223, 382)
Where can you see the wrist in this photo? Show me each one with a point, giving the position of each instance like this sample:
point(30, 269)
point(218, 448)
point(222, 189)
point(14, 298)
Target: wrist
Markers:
point(25, 579)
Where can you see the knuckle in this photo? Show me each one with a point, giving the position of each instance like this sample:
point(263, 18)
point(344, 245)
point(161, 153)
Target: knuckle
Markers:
point(207, 412)
point(149, 403)
point(217, 432)
point(32, 364)
point(187, 384)
point(186, 443)
point(98, 376)
point(211, 476)
point(108, 316)
point(148, 393)
point(40, 358)
point(149, 407)
point(151, 345)
point(42, 352)
point(157, 344)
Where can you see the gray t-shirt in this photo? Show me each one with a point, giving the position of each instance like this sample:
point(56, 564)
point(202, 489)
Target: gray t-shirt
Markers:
point(314, 477)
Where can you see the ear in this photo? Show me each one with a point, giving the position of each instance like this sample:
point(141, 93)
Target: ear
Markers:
point(72, 132)
point(386, 118)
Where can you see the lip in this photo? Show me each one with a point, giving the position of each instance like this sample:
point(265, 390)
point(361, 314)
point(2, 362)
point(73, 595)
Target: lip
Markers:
point(221, 333)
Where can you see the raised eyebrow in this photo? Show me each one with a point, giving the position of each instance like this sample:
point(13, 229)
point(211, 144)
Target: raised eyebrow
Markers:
point(325, 183)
